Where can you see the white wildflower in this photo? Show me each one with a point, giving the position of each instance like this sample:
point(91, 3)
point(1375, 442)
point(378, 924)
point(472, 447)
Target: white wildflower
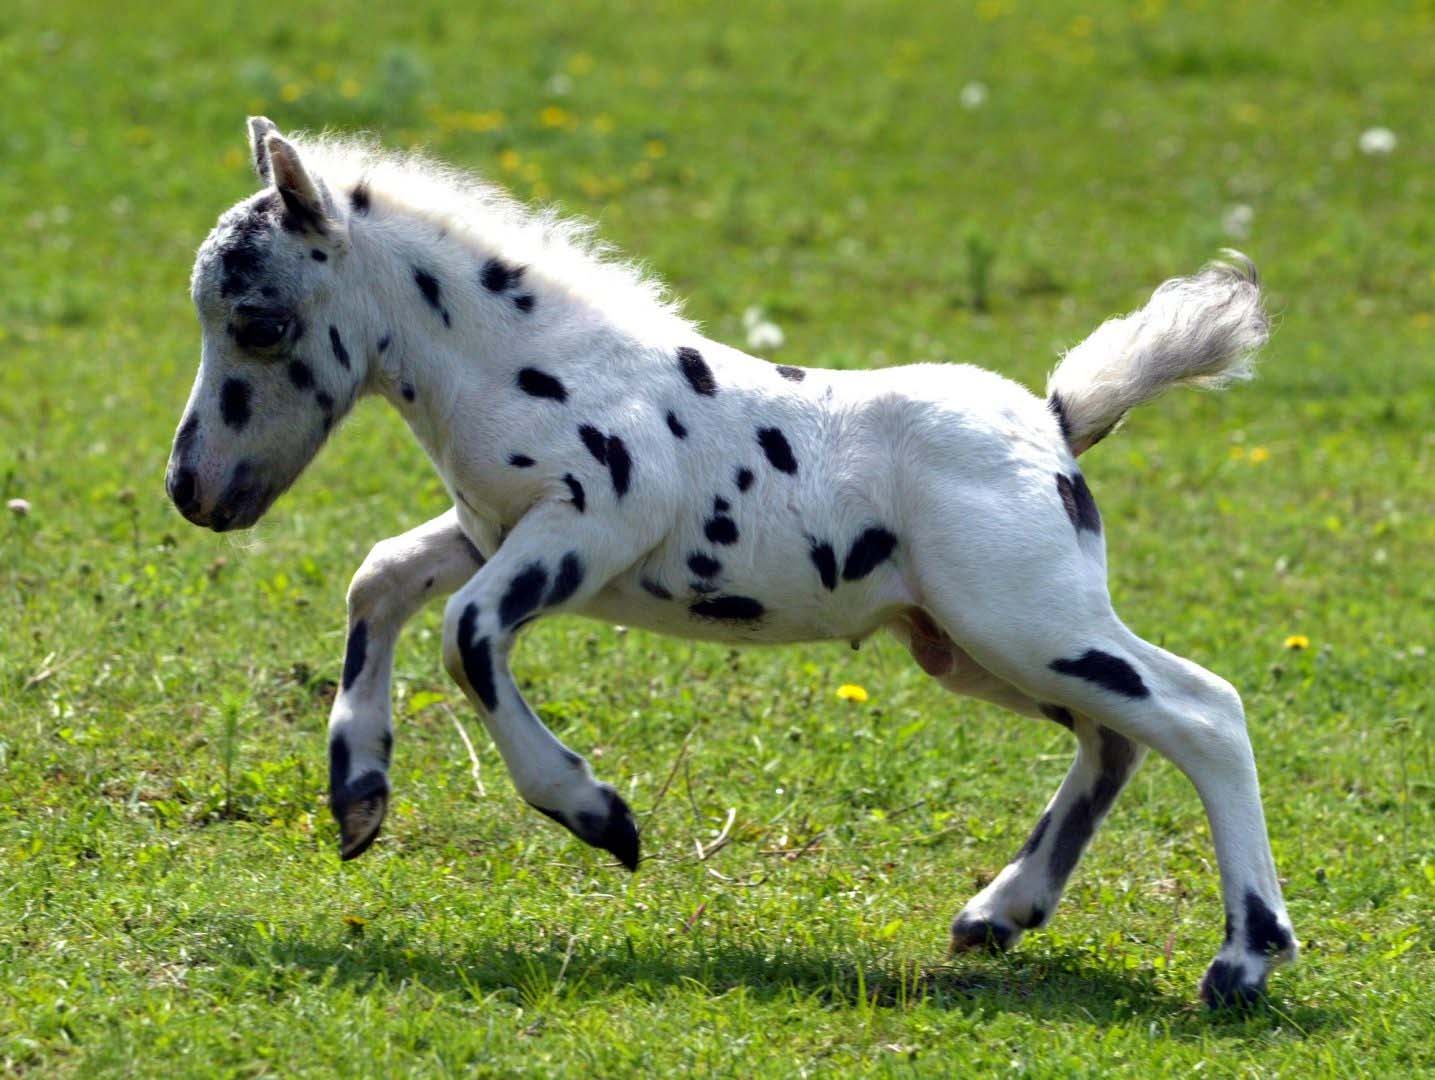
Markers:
point(1377, 142)
point(1236, 221)
point(763, 335)
point(974, 95)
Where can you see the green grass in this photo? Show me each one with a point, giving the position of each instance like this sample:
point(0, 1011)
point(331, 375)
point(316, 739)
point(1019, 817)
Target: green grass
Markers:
point(170, 900)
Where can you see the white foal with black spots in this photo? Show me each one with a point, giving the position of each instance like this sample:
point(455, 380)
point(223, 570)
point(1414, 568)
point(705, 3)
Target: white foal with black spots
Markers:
point(606, 459)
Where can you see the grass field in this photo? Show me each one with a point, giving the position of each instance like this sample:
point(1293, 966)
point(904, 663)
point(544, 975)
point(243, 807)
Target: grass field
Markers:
point(170, 899)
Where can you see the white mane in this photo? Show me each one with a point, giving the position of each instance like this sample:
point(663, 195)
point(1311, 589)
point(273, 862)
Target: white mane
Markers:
point(565, 252)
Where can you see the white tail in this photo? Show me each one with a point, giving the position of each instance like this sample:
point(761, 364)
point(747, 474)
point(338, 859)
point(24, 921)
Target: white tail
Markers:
point(1197, 331)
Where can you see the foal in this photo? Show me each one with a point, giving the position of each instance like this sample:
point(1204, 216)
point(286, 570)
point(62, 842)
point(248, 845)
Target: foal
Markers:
point(606, 459)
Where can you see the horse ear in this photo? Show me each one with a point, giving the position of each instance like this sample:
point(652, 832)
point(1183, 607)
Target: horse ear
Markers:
point(304, 199)
point(259, 127)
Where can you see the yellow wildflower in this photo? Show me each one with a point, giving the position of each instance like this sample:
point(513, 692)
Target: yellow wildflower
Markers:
point(349, 89)
point(553, 116)
point(1259, 454)
point(355, 923)
point(655, 148)
point(1297, 642)
point(852, 692)
point(291, 92)
point(509, 160)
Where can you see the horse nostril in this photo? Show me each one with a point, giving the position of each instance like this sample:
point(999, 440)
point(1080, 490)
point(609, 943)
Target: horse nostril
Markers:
point(182, 491)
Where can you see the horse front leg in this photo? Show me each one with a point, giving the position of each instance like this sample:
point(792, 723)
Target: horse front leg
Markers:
point(399, 576)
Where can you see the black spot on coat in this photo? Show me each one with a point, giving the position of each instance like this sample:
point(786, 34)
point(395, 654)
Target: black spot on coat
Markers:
point(359, 199)
point(428, 285)
point(704, 565)
point(596, 442)
point(1264, 934)
point(524, 303)
point(567, 580)
point(743, 479)
point(234, 403)
point(620, 465)
point(1106, 671)
point(408, 391)
point(793, 374)
point(652, 588)
point(336, 343)
point(338, 765)
point(1080, 506)
point(300, 375)
point(1033, 841)
point(498, 277)
point(732, 608)
point(868, 551)
point(720, 530)
point(825, 559)
point(580, 500)
point(523, 595)
point(774, 445)
point(477, 660)
point(355, 653)
point(520, 461)
point(676, 427)
point(695, 369)
point(1059, 715)
point(541, 384)
point(318, 256)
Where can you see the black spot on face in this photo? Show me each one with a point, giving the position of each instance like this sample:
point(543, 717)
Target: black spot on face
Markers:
point(580, 500)
point(1080, 506)
point(704, 565)
point(596, 443)
point(336, 343)
point(721, 530)
point(523, 595)
point(234, 403)
point(300, 375)
point(359, 199)
point(620, 465)
point(432, 293)
point(477, 660)
point(354, 654)
point(567, 581)
point(792, 374)
point(540, 384)
point(318, 256)
point(326, 407)
point(524, 303)
point(652, 588)
point(744, 479)
point(676, 427)
point(825, 559)
point(729, 608)
point(695, 369)
point(408, 391)
point(779, 454)
point(868, 551)
point(1106, 671)
point(520, 461)
point(1033, 841)
point(185, 436)
point(498, 277)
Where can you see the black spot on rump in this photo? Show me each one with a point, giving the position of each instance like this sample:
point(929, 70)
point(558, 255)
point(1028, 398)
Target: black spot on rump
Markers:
point(744, 479)
point(868, 551)
point(825, 559)
point(477, 659)
point(792, 374)
point(580, 500)
point(234, 403)
point(596, 442)
point(730, 608)
point(520, 461)
point(676, 427)
point(354, 654)
point(336, 343)
point(567, 580)
point(497, 276)
point(779, 454)
point(523, 595)
point(695, 369)
point(541, 384)
point(704, 565)
point(359, 199)
point(620, 465)
point(1107, 671)
point(1080, 505)
point(721, 530)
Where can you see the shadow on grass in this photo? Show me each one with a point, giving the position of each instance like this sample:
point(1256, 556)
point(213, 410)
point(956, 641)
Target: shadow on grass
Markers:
point(1061, 985)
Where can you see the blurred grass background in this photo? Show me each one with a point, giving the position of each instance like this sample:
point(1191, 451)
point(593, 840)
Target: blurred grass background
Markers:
point(889, 183)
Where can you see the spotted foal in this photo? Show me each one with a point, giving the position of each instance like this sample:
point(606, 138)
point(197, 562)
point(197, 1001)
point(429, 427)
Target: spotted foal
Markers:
point(606, 459)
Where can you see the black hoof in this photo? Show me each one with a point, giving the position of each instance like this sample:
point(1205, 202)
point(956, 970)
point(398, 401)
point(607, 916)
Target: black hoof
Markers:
point(359, 809)
point(614, 831)
point(970, 933)
point(1226, 986)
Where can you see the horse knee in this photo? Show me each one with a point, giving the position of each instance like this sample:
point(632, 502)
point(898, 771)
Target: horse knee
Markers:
point(377, 583)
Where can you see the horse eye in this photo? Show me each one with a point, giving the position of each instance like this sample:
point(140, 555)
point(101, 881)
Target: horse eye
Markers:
point(262, 333)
